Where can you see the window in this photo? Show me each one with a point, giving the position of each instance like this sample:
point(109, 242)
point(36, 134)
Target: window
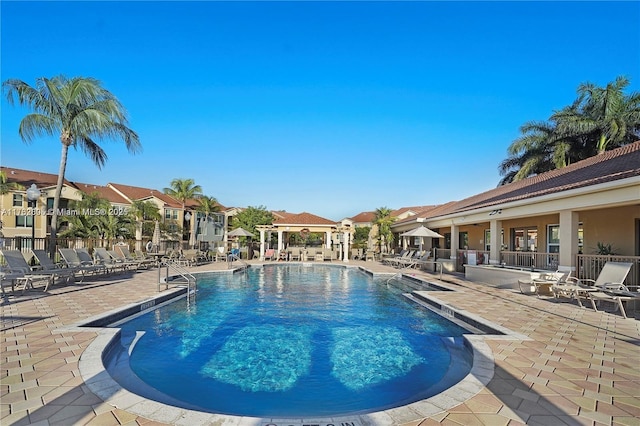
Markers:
point(24, 221)
point(487, 239)
point(175, 214)
point(17, 200)
point(524, 239)
point(553, 238)
point(167, 214)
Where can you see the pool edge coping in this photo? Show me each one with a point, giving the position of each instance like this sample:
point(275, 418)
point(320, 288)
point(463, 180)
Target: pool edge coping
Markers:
point(99, 381)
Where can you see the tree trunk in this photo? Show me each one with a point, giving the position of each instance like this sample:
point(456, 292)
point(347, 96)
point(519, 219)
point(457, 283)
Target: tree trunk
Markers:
point(56, 201)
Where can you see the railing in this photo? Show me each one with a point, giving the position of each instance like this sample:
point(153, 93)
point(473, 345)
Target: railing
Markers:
point(588, 266)
point(530, 259)
point(24, 243)
point(188, 277)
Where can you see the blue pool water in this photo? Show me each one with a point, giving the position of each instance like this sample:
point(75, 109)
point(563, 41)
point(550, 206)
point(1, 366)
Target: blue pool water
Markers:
point(296, 340)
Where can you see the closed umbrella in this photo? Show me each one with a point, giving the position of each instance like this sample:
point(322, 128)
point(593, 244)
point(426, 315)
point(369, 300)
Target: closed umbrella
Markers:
point(155, 239)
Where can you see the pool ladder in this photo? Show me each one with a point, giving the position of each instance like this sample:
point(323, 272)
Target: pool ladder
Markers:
point(236, 258)
point(187, 276)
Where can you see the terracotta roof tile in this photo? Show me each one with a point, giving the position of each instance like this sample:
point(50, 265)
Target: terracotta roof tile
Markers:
point(620, 163)
point(103, 191)
point(303, 219)
point(364, 217)
point(28, 177)
point(137, 193)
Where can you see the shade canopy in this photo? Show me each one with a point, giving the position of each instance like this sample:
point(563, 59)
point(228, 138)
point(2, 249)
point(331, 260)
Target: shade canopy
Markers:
point(240, 232)
point(421, 231)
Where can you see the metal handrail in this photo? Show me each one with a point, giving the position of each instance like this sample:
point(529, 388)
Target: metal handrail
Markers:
point(188, 276)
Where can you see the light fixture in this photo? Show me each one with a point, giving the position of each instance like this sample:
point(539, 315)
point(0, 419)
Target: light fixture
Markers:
point(33, 193)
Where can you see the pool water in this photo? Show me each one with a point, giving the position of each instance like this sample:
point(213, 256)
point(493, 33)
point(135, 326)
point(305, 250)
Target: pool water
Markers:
point(296, 340)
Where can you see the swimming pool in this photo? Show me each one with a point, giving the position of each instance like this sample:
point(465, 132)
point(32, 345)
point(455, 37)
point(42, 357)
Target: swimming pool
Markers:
point(293, 340)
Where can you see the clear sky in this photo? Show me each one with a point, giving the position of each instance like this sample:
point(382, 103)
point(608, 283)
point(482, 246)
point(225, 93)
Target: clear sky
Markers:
point(332, 108)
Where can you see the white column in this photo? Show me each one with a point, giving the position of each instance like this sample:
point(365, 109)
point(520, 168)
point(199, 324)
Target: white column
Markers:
point(328, 238)
point(345, 251)
point(280, 241)
point(455, 237)
point(569, 221)
point(495, 228)
point(262, 244)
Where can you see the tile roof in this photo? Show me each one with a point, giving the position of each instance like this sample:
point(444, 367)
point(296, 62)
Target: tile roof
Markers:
point(27, 177)
point(620, 163)
point(364, 217)
point(303, 218)
point(137, 193)
point(103, 191)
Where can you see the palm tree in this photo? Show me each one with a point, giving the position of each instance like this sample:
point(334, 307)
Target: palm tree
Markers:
point(142, 211)
point(80, 111)
point(606, 114)
point(6, 187)
point(208, 205)
point(183, 190)
point(383, 221)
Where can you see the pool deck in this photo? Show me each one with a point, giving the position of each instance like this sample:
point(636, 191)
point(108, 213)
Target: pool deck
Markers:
point(579, 367)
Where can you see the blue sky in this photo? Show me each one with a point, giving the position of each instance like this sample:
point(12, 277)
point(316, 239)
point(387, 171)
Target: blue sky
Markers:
point(327, 107)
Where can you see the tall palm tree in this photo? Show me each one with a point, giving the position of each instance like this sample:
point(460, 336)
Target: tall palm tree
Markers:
point(208, 205)
point(183, 190)
point(605, 115)
point(142, 211)
point(383, 221)
point(77, 109)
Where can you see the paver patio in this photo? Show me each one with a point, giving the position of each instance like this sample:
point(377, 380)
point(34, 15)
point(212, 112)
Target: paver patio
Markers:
point(580, 367)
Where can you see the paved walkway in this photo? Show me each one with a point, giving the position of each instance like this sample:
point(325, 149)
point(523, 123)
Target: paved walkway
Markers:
point(580, 367)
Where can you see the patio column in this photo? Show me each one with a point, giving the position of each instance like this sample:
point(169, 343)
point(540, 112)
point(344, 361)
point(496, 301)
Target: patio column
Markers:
point(327, 237)
point(455, 237)
point(262, 244)
point(345, 251)
point(494, 254)
point(569, 221)
point(280, 240)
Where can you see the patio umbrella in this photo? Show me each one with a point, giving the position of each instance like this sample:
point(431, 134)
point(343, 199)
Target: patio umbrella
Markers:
point(155, 239)
point(240, 232)
point(421, 231)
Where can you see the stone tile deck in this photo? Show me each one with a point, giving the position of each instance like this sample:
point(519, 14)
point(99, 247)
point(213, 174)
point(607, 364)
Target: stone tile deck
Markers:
point(579, 367)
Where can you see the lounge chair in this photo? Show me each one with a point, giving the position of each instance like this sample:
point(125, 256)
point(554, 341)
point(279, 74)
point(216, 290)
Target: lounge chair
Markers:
point(270, 254)
point(48, 266)
point(610, 279)
point(127, 257)
point(294, 253)
point(72, 259)
point(14, 279)
point(105, 258)
point(17, 264)
point(327, 254)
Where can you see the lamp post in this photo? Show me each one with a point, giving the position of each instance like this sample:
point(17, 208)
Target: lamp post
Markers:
point(187, 217)
point(33, 193)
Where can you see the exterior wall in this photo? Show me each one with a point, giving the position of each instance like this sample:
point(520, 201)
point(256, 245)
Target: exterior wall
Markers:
point(615, 226)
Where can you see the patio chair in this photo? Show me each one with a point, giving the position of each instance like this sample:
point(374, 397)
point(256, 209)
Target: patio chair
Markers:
point(14, 279)
point(327, 254)
point(72, 260)
point(105, 258)
point(294, 253)
point(48, 266)
point(270, 254)
point(17, 264)
point(126, 255)
point(611, 278)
